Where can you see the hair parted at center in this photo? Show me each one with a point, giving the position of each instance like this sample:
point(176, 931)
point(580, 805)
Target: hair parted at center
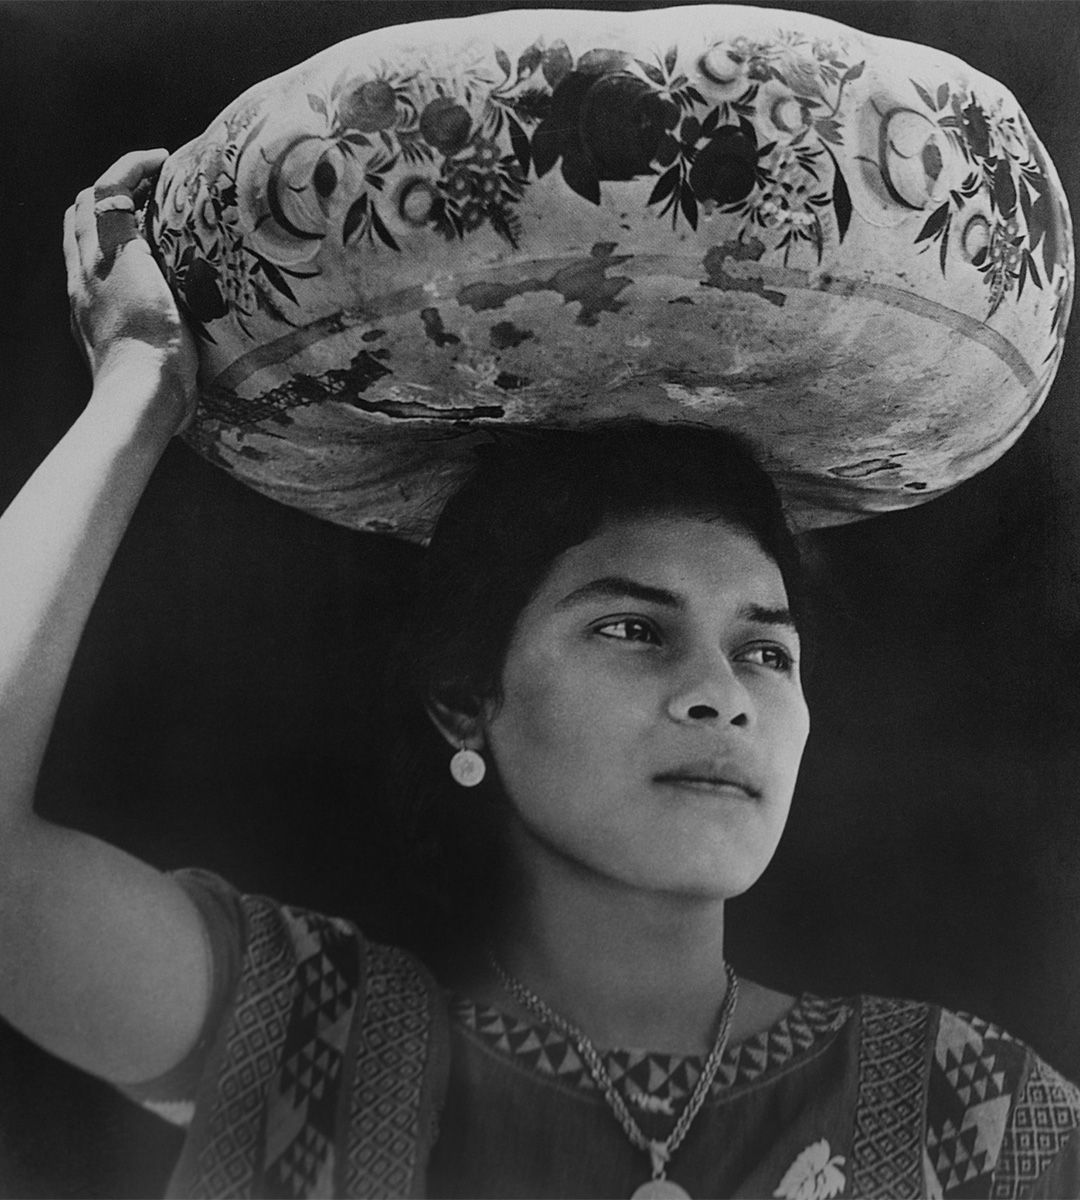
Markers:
point(529, 498)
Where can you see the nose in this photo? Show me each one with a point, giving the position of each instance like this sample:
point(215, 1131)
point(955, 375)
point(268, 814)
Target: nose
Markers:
point(709, 689)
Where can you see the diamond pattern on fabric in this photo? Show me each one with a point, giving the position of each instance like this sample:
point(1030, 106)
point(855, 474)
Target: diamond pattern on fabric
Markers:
point(975, 1070)
point(302, 1102)
point(652, 1083)
point(886, 1150)
point(1044, 1118)
point(391, 1053)
point(226, 1158)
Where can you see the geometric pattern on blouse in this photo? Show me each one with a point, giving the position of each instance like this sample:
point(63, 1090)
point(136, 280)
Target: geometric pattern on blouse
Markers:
point(975, 1072)
point(320, 1086)
point(299, 1156)
point(1045, 1117)
point(226, 1152)
point(392, 1050)
point(656, 1084)
point(886, 1149)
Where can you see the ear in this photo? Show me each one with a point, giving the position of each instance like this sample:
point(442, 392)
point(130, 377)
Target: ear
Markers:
point(458, 727)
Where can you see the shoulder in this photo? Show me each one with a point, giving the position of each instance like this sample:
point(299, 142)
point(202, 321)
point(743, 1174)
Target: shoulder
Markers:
point(996, 1107)
point(319, 1039)
point(997, 1118)
point(280, 973)
point(262, 946)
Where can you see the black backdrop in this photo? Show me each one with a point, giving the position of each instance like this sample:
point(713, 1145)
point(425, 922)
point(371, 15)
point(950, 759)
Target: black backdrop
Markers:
point(218, 706)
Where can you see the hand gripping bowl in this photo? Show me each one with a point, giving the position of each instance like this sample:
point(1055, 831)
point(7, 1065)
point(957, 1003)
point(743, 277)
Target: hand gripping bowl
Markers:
point(854, 250)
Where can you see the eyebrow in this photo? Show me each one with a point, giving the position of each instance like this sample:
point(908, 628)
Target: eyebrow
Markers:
point(611, 587)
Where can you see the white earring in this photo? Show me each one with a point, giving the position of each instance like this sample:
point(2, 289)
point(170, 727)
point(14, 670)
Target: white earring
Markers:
point(467, 767)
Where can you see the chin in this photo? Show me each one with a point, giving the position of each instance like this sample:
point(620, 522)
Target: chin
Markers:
point(715, 877)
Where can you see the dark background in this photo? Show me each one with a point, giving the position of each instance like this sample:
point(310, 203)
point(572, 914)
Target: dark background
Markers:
point(218, 707)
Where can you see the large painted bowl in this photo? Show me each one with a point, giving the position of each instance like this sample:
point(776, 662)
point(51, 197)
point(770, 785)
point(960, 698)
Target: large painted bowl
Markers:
point(853, 249)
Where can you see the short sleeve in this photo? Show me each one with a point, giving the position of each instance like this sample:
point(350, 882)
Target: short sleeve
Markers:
point(172, 1095)
point(322, 1063)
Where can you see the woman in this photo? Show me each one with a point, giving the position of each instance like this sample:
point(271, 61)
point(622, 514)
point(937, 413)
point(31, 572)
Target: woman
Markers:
point(625, 712)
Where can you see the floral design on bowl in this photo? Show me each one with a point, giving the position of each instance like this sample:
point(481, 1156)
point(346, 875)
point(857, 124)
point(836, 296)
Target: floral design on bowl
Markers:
point(752, 129)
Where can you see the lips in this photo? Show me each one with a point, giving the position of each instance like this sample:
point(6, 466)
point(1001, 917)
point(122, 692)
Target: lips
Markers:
point(708, 776)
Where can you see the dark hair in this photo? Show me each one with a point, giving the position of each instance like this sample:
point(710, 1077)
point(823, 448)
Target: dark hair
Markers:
point(529, 498)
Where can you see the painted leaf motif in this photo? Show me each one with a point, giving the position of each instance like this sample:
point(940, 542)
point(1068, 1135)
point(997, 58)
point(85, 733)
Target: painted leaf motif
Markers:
point(943, 95)
point(854, 72)
point(529, 61)
point(317, 103)
point(519, 139)
point(654, 73)
point(557, 62)
point(277, 280)
point(381, 230)
point(924, 96)
point(503, 59)
point(354, 218)
point(934, 223)
point(665, 185)
point(669, 59)
point(545, 150)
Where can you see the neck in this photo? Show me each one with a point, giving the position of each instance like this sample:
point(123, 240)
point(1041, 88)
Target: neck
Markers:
point(631, 968)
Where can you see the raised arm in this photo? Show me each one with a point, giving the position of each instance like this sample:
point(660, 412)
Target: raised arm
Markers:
point(102, 958)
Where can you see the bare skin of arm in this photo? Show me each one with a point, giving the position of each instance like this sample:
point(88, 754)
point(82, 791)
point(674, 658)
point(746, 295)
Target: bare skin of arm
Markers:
point(104, 958)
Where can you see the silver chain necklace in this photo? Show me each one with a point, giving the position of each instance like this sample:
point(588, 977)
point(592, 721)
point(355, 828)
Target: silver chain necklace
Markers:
point(659, 1187)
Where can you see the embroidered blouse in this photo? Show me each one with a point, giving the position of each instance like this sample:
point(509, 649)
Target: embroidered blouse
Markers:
point(332, 1066)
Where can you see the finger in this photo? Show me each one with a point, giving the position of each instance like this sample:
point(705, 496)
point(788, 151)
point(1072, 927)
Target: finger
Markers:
point(84, 223)
point(74, 274)
point(114, 203)
point(71, 246)
point(114, 219)
point(127, 172)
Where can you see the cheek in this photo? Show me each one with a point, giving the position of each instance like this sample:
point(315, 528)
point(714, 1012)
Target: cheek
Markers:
point(790, 729)
point(555, 732)
point(541, 716)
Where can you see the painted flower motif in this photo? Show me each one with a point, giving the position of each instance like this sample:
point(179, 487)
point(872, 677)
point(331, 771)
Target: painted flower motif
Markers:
point(459, 183)
point(785, 199)
point(906, 162)
point(725, 168)
point(292, 191)
point(918, 163)
point(725, 63)
point(789, 114)
point(814, 1175)
point(485, 153)
point(446, 125)
point(369, 105)
point(731, 64)
point(604, 124)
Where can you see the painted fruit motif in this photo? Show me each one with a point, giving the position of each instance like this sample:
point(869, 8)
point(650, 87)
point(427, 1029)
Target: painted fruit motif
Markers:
point(852, 249)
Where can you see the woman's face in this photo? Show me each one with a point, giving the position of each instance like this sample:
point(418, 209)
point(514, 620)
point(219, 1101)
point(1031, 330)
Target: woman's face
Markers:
point(653, 719)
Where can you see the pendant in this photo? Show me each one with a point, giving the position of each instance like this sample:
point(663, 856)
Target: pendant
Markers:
point(660, 1189)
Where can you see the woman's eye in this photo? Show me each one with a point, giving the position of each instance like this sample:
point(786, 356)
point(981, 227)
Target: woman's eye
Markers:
point(628, 629)
point(776, 658)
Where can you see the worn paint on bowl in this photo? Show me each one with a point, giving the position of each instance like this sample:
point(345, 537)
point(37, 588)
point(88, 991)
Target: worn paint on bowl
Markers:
point(853, 249)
